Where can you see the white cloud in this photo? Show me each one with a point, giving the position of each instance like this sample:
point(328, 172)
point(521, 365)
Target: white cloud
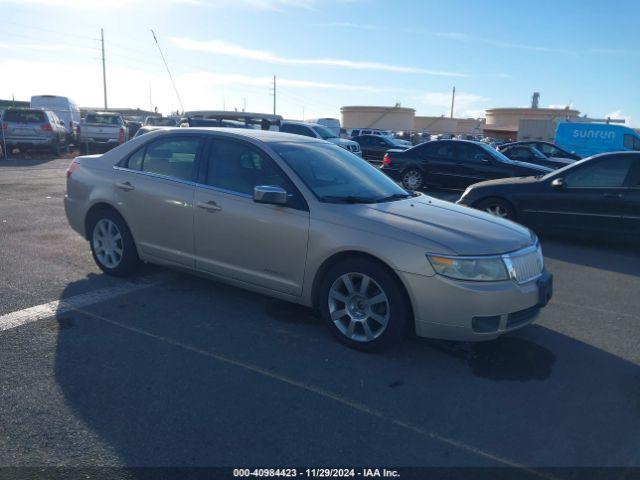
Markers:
point(468, 105)
point(209, 79)
point(465, 37)
point(225, 48)
point(47, 47)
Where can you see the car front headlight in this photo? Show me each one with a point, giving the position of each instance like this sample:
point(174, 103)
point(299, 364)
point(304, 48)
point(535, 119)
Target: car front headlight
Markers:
point(483, 269)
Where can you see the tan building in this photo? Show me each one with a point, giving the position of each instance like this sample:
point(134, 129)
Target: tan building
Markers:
point(447, 125)
point(404, 119)
point(505, 122)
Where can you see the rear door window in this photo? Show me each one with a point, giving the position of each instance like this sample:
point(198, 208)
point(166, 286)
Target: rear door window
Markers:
point(606, 173)
point(173, 157)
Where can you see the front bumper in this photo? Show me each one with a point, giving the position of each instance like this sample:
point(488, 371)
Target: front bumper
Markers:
point(469, 311)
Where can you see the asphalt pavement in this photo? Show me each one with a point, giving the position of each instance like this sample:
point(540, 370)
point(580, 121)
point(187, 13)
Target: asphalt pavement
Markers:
point(168, 369)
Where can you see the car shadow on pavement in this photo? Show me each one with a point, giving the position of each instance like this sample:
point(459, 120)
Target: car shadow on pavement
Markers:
point(196, 373)
point(621, 257)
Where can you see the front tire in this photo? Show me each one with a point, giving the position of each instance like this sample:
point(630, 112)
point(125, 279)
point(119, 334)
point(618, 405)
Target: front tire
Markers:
point(112, 245)
point(413, 179)
point(498, 207)
point(364, 305)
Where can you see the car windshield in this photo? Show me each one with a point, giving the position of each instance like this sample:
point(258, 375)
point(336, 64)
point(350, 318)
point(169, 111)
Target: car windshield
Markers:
point(103, 119)
point(162, 122)
point(324, 133)
point(24, 116)
point(337, 176)
point(538, 154)
point(495, 153)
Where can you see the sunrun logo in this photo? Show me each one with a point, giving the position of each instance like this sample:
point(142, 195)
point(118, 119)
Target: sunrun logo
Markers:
point(610, 135)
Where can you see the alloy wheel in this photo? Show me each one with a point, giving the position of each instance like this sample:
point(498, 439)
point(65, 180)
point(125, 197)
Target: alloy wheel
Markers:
point(412, 180)
point(107, 243)
point(497, 210)
point(359, 307)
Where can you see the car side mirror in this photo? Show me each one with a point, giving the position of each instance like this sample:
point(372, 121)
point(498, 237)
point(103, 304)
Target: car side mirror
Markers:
point(269, 194)
point(61, 122)
point(558, 183)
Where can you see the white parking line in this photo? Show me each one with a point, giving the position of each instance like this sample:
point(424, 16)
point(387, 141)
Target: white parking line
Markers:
point(50, 309)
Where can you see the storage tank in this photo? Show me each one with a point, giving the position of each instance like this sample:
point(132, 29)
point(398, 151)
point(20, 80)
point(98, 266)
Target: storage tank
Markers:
point(383, 118)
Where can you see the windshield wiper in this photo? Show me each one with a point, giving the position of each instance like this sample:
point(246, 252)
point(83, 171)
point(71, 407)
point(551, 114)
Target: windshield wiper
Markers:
point(396, 196)
point(346, 199)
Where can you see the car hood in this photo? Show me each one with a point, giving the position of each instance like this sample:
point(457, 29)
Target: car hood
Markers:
point(532, 166)
point(448, 228)
point(563, 160)
point(505, 181)
point(341, 141)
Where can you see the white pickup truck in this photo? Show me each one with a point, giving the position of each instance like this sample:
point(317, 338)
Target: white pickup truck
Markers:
point(102, 130)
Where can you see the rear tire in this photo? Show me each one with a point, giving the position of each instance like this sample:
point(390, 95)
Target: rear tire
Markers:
point(364, 305)
point(498, 207)
point(412, 179)
point(112, 245)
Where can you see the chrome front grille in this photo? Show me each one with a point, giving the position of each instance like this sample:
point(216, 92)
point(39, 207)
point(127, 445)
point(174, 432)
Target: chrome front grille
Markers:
point(525, 265)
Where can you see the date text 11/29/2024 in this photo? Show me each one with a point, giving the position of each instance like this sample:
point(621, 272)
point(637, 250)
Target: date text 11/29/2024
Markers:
point(316, 472)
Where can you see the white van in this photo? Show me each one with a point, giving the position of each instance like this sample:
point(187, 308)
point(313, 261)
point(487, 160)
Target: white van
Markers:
point(65, 108)
point(333, 124)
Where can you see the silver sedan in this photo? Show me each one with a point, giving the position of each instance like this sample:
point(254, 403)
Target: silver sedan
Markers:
point(306, 221)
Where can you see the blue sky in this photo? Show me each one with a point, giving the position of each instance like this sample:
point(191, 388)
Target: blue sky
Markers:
point(328, 53)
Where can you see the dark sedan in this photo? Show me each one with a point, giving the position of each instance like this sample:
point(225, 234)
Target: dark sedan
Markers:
point(530, 154)
point(547, 148)
point(453, 164)
point(375, 146)
point(598, 195)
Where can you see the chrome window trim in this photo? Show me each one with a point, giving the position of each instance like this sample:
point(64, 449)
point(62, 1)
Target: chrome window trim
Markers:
point(156, 175)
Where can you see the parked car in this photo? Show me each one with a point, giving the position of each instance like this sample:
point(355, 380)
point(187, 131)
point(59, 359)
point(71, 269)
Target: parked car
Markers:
point(356, 132)
point(332, 124)
point(33, 129)
point(587, 139)
point(375, 146)
point(452, 164)
point(155, 121)
point(315, 130)
point(599, 195)
point(66, 109)
point(147, 129)
point(530, 154)
point(103, 130)
point(133, 126)
point(549, 149)
point(302, 220)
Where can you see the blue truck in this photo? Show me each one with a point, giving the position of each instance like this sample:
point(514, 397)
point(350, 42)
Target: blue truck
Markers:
point(586, 139)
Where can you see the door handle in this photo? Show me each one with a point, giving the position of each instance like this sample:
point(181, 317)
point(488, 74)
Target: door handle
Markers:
point(613, 195)
point(210, 206)
point(126, 186)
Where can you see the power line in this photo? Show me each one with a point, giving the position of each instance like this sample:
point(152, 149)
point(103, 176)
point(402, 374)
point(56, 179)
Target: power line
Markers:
point(168, 71)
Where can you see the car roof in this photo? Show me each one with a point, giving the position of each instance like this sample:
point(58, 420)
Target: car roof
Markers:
point(296, 122)
point(266, 136)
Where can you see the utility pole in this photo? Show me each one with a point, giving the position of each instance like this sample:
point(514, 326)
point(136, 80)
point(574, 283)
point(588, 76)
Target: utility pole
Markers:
point(453, 100)
point(104, 71)
point(150, 100)
point(303, 114)
point(244, 104)
point(274, 94)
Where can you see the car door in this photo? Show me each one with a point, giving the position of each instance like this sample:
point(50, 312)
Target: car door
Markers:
point(154, 189)
point(378, 148)
point(474, 164)
point(631, 201)
point(365, 146)
point(236, 238)
point(587, 198)
point(438, 162)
